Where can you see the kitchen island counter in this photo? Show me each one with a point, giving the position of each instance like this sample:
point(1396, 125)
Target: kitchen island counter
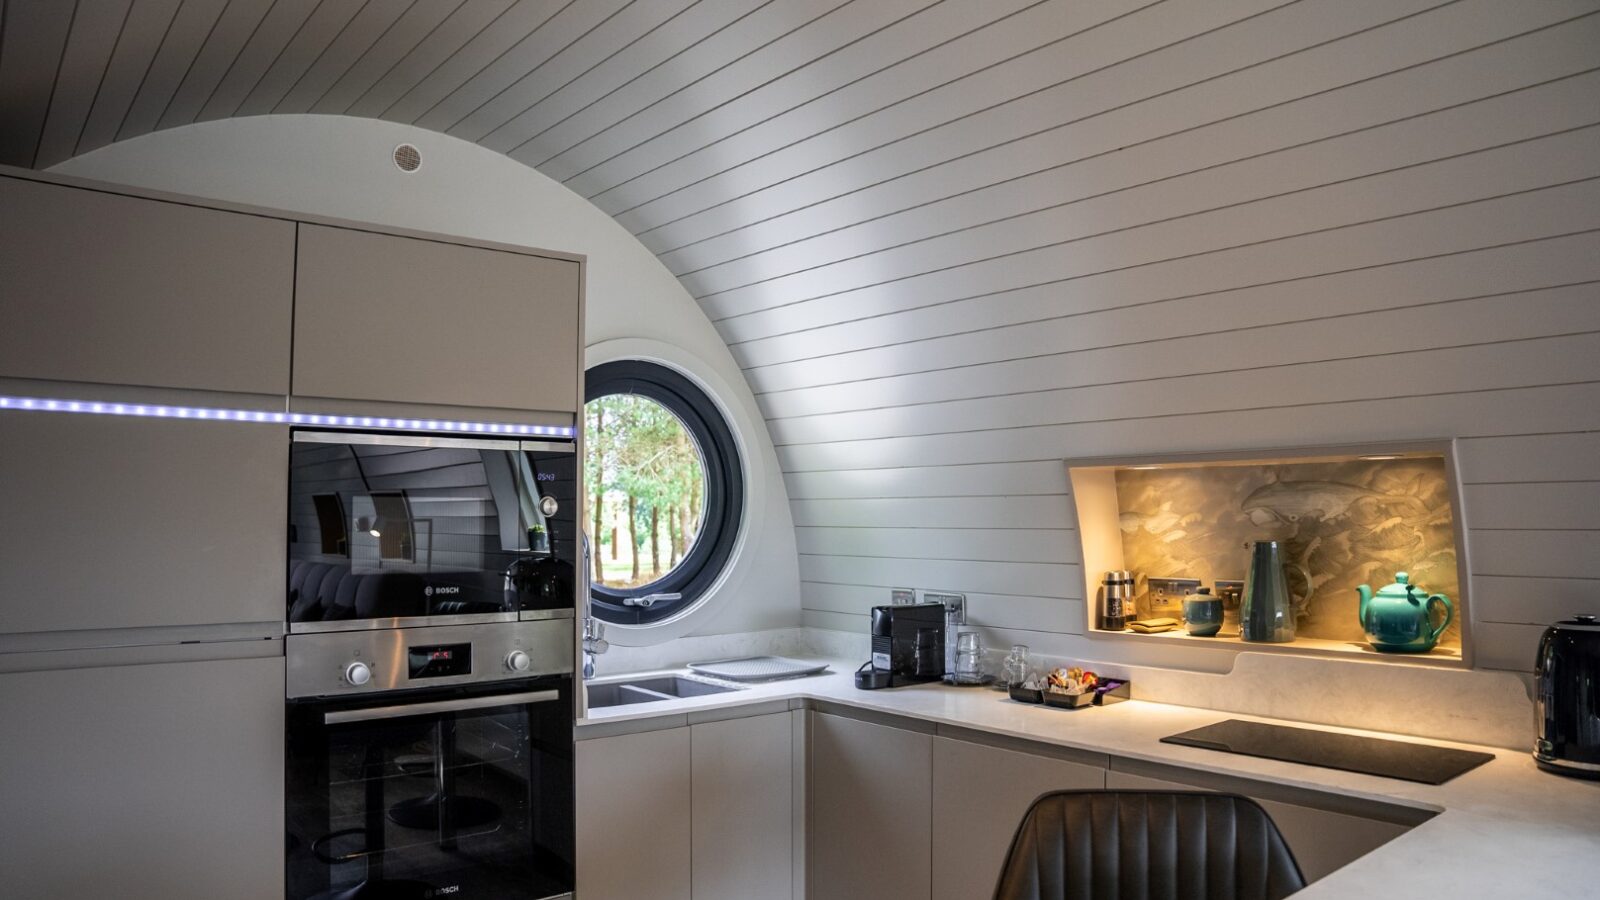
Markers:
point(1504, 829)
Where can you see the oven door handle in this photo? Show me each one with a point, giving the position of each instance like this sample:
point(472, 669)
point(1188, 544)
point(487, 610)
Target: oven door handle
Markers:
point(340, 717)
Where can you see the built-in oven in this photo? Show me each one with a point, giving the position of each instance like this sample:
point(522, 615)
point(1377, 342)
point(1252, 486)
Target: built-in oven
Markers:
point(396, 531)
point(431, 762)
point(430, 595)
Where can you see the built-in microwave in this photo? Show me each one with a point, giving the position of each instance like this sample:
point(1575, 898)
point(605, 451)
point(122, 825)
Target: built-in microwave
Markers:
point(397, 531)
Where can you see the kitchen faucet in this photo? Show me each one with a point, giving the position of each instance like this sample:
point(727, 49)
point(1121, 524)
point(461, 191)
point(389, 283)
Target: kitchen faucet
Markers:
point(594, 630)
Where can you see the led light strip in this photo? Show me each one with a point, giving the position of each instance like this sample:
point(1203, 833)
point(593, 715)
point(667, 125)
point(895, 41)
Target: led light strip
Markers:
point(387, 423)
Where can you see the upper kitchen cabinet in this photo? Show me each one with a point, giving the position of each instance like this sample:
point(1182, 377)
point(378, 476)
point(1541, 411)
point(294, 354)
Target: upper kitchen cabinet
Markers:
point(387, 318)
point(125, 522)
point(101, 287)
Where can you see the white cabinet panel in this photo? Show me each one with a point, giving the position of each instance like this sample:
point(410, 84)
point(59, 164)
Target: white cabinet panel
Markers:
point(980, 795)
point(633, 804)
point(110, 522)
point(380, 317)
point(1322, 841)
point(100, 287)
point(743, 808)
point(143, 782)
point(869, 819)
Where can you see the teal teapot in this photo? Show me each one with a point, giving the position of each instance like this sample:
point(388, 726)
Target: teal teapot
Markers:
point(1399, 618)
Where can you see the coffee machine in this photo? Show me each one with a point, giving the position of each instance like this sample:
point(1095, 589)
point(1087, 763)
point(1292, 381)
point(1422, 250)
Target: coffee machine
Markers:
point(907, 646)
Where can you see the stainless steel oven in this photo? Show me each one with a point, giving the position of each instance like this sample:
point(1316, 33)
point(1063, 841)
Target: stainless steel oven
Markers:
point(431, 762)
point(430, 595)
point(395, 531)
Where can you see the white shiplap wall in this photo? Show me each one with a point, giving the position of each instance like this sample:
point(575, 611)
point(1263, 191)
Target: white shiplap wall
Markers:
point(1221, 225)
point(952, 243)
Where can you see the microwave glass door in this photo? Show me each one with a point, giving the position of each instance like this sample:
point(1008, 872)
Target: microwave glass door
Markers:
point(388, 528)
point(473, 804)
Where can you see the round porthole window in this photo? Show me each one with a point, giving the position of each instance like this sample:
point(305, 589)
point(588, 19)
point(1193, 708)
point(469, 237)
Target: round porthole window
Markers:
point(665, 491)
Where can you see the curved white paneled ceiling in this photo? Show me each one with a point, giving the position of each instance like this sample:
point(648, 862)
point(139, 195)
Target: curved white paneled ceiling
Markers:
point(954, 242)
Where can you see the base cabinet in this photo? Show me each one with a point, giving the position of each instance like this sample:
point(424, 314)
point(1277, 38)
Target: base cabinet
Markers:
point(633, 800)
point(869, 815)
point(980, 794)
point(144, 782)
point(1321, 840)
point(704, 811)
point(742, 821)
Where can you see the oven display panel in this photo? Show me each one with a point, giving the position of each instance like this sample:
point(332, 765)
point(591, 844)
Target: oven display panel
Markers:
point(439, 660)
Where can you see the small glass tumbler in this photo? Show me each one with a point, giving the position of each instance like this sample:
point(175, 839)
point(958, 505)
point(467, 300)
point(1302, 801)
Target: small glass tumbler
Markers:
point(1016, 669)
point(969, 659)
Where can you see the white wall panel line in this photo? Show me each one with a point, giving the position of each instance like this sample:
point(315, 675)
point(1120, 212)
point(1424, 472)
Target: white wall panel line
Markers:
point(940, 142)
point(1031, 76)
point(469, 57)
point(431, 51)
point(702, 21)
point(791, 137)
point(1545, 313)
point(563, 30)
point(91, 46)
point(1199, 235)
point(1038, 324)
point(1100, 168)
point(811, 12)
point(1548, 211)
point(127, 70)
point(408, 31)
point(1476, 414)
point(1104, 215)
point(1105, 140)
point(365, 30)
point(591, 50)
point(895, 14)
point(1532, 362)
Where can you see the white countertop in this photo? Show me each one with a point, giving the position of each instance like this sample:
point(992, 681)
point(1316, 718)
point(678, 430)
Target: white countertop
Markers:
point(1504, 830)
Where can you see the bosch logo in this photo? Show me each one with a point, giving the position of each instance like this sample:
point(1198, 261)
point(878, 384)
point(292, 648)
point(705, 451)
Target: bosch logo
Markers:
point(442, 591)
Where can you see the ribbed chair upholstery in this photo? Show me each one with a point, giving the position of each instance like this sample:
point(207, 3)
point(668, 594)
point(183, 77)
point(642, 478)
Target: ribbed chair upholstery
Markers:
point(1147, 845)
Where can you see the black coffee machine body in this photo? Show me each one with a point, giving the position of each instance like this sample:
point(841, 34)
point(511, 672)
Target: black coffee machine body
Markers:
point(907, 645)
point(1569, 698)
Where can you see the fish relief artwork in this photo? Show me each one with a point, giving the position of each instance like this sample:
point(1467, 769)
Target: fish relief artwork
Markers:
point(1349, 523)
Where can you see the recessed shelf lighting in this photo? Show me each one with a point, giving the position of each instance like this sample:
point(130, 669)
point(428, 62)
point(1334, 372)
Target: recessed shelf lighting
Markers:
point(1381, 457)
point(162, 411)
point(1143, 468)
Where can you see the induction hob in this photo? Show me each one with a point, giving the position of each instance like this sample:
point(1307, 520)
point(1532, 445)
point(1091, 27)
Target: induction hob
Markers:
point(1421, 763)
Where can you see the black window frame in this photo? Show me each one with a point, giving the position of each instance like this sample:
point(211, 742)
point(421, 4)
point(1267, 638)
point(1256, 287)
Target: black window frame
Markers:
point(722, 507)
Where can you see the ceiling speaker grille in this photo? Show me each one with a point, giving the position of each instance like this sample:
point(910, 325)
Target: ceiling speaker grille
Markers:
point(407, 158)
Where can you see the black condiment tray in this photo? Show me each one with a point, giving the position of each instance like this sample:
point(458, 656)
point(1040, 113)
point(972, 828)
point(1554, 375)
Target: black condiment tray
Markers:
point(1111, 690)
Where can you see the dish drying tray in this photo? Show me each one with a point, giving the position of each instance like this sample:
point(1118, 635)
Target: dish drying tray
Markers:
point(757, 668)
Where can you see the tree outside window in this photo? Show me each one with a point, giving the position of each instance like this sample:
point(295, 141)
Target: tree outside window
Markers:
point(646, 489)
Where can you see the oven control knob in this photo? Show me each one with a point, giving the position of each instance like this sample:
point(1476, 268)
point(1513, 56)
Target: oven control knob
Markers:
point(357, 673)
point(549, 505)
point(518, 661)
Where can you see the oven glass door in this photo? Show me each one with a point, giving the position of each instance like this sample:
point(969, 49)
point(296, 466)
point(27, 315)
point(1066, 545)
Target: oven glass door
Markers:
point(462, 794)
point(394, 530)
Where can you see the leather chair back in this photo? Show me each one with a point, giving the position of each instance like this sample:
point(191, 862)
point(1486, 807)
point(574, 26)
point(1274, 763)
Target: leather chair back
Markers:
point(1147, 845)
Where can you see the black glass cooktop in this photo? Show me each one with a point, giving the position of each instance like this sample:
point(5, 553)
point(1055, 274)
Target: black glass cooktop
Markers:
point(1371, 756)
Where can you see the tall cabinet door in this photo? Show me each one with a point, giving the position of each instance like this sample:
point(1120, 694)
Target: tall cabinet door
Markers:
point(112, 522)
point(743, 810)
point(104, 288)
point(379, 317)
point(980, 795)
point(633, 830)
point(869, 820)
point(143, 782)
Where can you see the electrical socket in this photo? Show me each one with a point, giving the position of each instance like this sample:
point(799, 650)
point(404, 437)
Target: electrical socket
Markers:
point(902, 596)
point(955, 605)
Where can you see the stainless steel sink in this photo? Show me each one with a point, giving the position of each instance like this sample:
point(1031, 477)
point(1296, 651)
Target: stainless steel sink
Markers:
point(651, 690)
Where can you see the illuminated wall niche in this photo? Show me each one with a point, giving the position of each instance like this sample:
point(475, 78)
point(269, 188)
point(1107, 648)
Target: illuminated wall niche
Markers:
point(1350, 517)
